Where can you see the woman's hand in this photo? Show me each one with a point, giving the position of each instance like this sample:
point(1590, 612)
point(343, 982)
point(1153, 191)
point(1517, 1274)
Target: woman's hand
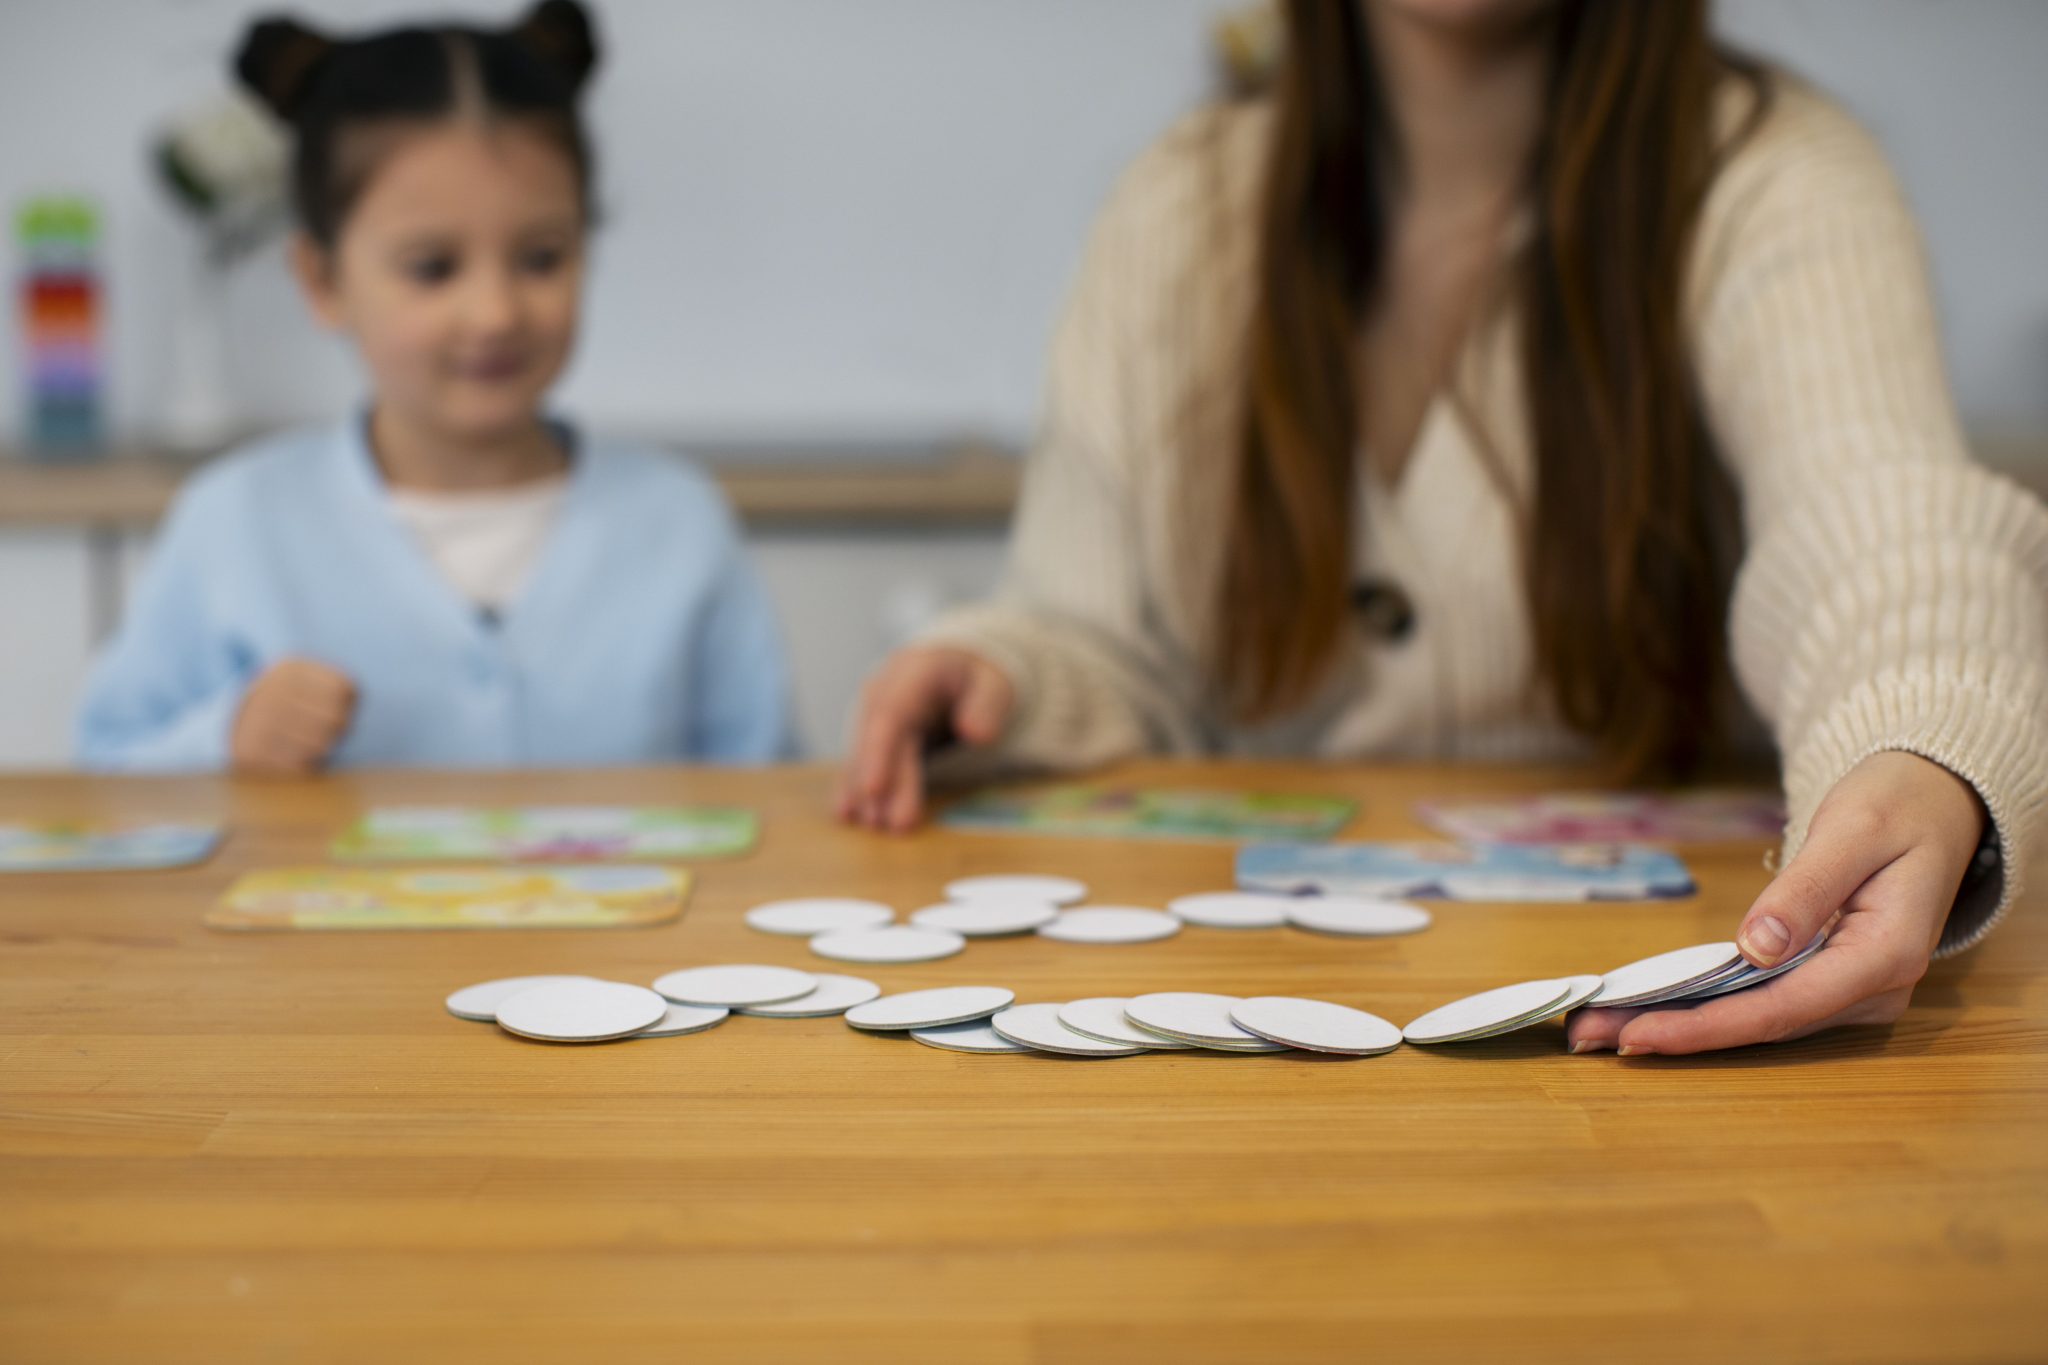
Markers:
point(919, 695)
point(1886, 851)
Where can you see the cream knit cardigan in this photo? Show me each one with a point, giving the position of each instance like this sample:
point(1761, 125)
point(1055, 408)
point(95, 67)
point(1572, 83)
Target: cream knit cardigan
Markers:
point(1891, 595)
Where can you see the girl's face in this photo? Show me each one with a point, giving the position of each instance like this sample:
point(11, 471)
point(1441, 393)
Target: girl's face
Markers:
point(457, 274)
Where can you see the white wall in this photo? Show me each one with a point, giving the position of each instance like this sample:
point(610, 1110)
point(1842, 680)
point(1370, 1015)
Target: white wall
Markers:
point(45, 614)
point(1955, 90)
point(825, 216)
point(837, 217)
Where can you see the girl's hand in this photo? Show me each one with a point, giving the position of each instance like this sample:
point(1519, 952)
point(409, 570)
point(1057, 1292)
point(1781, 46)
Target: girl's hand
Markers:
point(1886, 851)
point(919, 695)
point(291, 718)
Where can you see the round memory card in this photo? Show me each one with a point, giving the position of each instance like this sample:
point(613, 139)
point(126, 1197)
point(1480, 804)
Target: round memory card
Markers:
point(1356, 916)
point(1101, 1017)
point(1496, 1010)
point(1056, 890)
point(896, 943)
point(836, 994)
point(810, 917)
point(1039, 1026)
point(682, 1019)
point(1231, 909)
point(973, 1036)
point(1316, 1025)
point(585, 1011)
point(1110, 924)
point(735, 985)
point(480, 1002)
point(930, 1008)
point(985, 918)
point(1666, 972)
point(1196, 1017)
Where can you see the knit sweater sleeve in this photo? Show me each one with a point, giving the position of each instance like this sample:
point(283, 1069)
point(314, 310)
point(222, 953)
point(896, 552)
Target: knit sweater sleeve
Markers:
point(1894, 596)
point(1074, 623)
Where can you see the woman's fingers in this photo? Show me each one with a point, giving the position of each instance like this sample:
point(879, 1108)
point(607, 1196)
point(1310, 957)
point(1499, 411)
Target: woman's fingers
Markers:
point(1800, 900)
point(984, 705)
point(902, 703)
point(1600, 1030)
point(914, 695)
point(883, 717)
point(905, 802)
point(1597, 1030)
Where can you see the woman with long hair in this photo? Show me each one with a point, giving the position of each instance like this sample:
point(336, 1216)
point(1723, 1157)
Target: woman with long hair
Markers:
point(1528, 379)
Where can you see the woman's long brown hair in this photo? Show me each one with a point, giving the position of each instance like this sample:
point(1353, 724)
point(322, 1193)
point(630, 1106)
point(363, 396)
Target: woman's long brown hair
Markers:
point(1630, 521)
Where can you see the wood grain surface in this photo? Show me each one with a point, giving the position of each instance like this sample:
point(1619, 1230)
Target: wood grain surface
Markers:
point(219, 1147)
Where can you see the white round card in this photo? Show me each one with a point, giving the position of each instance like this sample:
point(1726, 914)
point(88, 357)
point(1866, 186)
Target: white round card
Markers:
point(930, 1009)
point(1756, 976)
point(836, 994)
point(682, 1019)
point(973, 1036)
point(1666, 971)
point(1583, 988)
point(584, 1011)
point(733, 986)
point(1111, 924)
point(480, 1002)
point(1499, 1008)
point(1231, 910)
point(1316, 1025)
point(985, 918)
point(1195, 1017)
point(818, 915)
point(897, 943)
point(1357, 916)
point(1101, 1017)
point(1039, 1026)
point(1056, 890)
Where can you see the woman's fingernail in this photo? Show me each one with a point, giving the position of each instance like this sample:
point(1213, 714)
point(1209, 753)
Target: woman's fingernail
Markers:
point(1765, 937)
point(1635, 1050)
point(1587, 1045)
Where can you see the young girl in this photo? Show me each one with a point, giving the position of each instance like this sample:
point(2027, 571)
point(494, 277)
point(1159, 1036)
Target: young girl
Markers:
point(1420, 409)
point(448, 577)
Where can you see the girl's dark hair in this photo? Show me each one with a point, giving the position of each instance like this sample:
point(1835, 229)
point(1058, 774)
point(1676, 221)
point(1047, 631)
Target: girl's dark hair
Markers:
point(329, 90)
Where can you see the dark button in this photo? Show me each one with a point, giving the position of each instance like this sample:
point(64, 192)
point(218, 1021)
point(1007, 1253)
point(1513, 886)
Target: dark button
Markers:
point(1384, 609)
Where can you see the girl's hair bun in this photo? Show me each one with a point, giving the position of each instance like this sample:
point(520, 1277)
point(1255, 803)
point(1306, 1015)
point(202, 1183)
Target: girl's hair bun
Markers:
point(559, 33)
point(279, 59)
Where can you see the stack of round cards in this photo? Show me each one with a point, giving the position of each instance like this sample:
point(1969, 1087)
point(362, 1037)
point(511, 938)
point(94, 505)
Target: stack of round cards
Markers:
point(1695, 973)
point(1681, 975)
point(585, 1009)
point(986, 1019)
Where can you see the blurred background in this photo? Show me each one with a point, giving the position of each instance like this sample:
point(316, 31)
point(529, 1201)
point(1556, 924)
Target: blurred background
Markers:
point(838, 235)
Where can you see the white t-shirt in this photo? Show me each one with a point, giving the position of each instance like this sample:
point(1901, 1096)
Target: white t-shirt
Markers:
point(486, 542)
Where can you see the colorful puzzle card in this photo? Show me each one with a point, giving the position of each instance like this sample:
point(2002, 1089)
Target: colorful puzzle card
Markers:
point(1466, 872)
point(1693, 817)
point(592, 897)
point(546, 833)
point(1152, 813)
point(54, 846)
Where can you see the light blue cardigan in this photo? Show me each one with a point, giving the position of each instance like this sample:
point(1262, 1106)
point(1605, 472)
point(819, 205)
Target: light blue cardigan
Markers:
point(642, 636)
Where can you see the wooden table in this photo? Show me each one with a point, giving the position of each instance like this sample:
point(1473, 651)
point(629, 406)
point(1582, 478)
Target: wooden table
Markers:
point(967, 482)
point(221, 1148)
